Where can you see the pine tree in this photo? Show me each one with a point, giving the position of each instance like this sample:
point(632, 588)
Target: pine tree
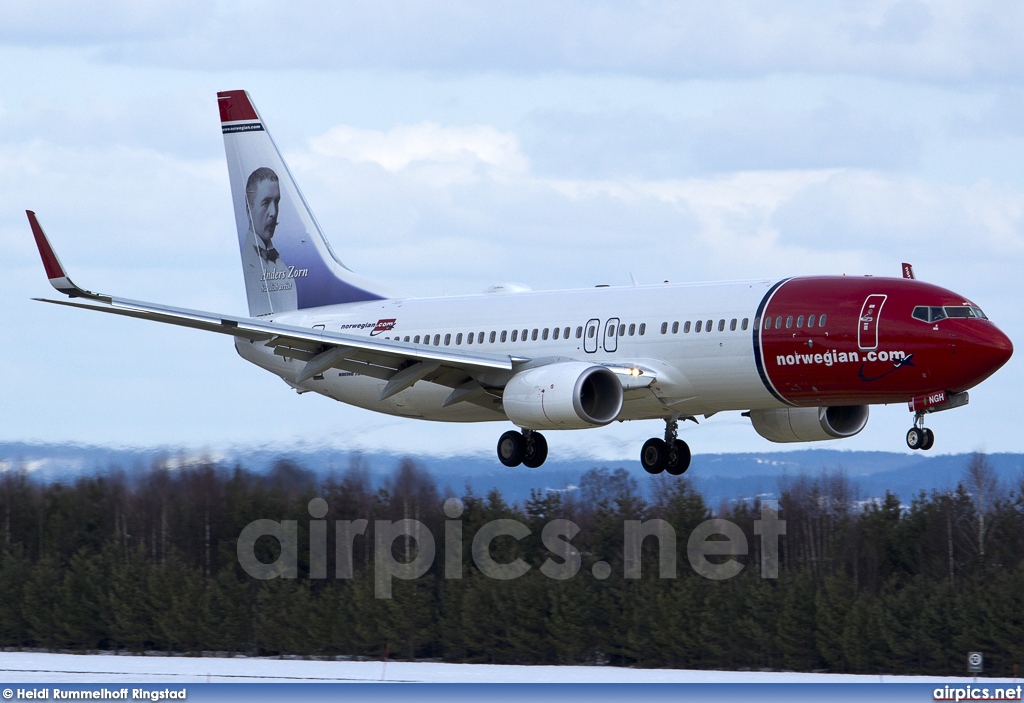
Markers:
point(797, 626)
point(832, 607)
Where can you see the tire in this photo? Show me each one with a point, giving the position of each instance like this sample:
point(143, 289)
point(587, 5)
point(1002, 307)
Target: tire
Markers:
point(654, 455)
point(678, 460)
point(929, 440)
point(511, 448)
point(536, 451)
point(915, 438)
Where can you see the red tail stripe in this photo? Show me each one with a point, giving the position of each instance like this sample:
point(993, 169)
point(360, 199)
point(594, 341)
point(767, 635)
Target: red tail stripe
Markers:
point(234, 105)
point(50, 262)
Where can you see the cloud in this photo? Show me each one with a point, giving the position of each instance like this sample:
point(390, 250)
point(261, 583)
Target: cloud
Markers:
point(68, 22)
point(442, 155)
point(493, 206)
point(943, 40)
point(741, 136)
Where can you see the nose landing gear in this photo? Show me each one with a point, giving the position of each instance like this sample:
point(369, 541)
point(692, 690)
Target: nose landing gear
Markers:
point(528, 448)
point(919, 436)
point(670, 454)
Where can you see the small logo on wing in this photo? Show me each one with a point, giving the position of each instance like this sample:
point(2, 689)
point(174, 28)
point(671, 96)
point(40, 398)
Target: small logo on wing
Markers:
point(383, 326)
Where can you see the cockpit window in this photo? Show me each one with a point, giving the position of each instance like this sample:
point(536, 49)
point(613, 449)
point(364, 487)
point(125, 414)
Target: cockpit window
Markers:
point(964, 311)
point(959, 311)
point(935, 313)
point(928, 314)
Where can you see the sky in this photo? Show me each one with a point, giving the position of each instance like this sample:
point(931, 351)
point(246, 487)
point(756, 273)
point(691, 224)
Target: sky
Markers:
point(446, 147)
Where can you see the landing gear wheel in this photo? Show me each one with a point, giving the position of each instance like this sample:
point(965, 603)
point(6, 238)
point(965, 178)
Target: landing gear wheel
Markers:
point(678, 460)
point(511, 448)
point(536, 450)
point(654, 455)
point(929, 439)
point(915, 438)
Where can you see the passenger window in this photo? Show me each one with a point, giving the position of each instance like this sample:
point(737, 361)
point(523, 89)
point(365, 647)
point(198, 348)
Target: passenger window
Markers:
point(524, 335)
point(534, 337)
point(565, 333)
point(767, 323)
point(437, 340)
point(664, 327)
point(515, 335)
point(448, 339)
point(590, 332)
point(800, 322)
point(469, 338)
point(643, 328)
point(743, 325)
point(504, 336)
point(632, 329)
point(707, 325)
point(544, 334)
point(686, 327)
point(611, 330)
point(416, 339)
point(622, 330)
point(406, 338)
point(821, 321)
point(732, 325)
point(810, 322)
point(554, 333)
point(789, 322)
point(675, 327)
point(491, 337)
point(700, 324)
point(778, 322)
point(721, 325)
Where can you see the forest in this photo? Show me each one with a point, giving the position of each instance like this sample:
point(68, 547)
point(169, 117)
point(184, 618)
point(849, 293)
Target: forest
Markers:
point(147, 561)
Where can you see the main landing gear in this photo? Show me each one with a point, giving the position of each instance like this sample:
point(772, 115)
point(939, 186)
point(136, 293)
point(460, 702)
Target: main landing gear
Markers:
point(670, 454)
point(528, 448)
point(919, 436)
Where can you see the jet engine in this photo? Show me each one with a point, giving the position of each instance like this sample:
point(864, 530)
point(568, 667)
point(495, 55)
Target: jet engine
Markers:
point(563, 396)
point(809, 424)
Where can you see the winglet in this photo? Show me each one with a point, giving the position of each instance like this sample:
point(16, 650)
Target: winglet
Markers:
point(908, 270)
point(54, 269)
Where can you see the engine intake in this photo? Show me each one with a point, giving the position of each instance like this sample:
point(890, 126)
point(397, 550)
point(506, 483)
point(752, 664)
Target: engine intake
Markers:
point(809, 424)
point(563, 396)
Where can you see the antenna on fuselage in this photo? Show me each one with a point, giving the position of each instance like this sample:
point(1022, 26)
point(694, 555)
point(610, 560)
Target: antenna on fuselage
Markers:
point(908, 271)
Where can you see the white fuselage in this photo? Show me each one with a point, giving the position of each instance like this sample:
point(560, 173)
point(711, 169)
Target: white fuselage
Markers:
point(696, 372)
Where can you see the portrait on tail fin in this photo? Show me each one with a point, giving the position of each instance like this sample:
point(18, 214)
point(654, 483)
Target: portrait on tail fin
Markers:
point(268, 277)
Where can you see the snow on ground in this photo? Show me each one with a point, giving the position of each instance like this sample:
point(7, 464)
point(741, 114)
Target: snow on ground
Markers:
point(38, 667)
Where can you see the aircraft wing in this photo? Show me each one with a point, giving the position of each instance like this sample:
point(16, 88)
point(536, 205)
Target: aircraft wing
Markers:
point(401, 364)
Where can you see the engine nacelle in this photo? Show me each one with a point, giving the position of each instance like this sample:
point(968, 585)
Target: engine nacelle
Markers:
point(809, 424)
point(563, 396)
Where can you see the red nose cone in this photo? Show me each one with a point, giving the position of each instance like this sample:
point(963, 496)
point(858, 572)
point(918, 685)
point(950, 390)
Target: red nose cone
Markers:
point(1000, 347)
point(987, 351)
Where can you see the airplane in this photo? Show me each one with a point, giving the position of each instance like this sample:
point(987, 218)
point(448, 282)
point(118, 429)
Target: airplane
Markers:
point(802, 357)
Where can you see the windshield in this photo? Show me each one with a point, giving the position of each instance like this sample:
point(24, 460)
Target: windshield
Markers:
point(934, 313)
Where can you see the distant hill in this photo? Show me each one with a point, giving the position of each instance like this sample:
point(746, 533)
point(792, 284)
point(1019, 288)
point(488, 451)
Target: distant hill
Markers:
point(718, 476)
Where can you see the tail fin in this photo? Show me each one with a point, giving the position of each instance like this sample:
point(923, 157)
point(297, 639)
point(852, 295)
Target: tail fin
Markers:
point(286, 260)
